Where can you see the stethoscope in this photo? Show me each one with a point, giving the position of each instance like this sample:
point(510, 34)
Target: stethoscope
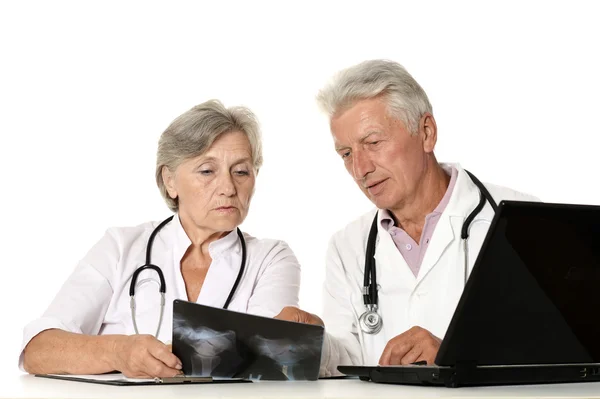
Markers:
point(163, 288)
point(370, 321)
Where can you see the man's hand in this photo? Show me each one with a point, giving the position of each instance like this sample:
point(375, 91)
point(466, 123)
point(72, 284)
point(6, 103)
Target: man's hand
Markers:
point(143, 356)
point(414, 345)
point(290, 313)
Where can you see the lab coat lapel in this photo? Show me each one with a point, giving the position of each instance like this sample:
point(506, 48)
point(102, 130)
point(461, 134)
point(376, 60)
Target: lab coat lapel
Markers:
point(442, 237)
point(391, 266)
point(463, 200)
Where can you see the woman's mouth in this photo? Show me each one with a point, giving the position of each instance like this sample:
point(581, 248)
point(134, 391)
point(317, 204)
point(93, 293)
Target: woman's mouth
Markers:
point(226, 209)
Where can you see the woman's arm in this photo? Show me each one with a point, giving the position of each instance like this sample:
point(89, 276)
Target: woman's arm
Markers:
point(65, 340)
point(278, 284)
point(60, 352)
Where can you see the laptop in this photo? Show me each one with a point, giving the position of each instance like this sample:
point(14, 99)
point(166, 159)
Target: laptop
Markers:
point(222, 343)
point(530, 311)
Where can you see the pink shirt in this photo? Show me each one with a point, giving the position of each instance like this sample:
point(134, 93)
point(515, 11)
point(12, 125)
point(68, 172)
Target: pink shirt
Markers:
point(412, 251)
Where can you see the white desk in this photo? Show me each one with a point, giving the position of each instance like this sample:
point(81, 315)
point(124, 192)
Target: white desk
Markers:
point(27, 386)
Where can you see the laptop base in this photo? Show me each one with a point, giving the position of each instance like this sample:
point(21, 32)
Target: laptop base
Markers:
point(454, 377)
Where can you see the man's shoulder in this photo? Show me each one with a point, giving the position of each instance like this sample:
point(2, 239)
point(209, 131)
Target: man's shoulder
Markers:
point(500, 193)
point(356, 230)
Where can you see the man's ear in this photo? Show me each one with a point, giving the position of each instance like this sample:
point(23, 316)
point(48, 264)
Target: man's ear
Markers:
point(169, 180)
point(428, 130)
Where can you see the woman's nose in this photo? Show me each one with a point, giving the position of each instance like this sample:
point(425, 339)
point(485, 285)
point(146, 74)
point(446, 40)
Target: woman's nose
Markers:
point(226, 186)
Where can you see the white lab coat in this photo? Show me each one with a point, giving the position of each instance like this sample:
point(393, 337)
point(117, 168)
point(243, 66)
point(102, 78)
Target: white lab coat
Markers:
point(95, 298)
point(427, 300)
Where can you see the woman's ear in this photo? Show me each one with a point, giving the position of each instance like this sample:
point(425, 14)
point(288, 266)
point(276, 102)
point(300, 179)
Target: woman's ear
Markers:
point(169, 180)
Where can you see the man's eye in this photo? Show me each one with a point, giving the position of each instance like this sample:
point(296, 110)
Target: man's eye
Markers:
point(206, 172)
point(346, 154)
point(242, 173)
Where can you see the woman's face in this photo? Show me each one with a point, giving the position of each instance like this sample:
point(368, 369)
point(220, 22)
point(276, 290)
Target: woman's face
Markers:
point(215, 188)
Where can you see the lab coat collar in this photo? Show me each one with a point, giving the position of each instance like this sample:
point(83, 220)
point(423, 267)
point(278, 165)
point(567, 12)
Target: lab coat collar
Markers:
point(463, 201)
point(465, 195)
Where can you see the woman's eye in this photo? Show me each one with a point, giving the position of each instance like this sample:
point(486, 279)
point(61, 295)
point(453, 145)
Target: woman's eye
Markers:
point(242, 173)
point(206, 172)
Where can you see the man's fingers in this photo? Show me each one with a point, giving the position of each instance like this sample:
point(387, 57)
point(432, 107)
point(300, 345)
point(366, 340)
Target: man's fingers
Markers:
point(395, 350)
point(429, 355)
point(386, 356)
point(411, 356)
point(411, 346)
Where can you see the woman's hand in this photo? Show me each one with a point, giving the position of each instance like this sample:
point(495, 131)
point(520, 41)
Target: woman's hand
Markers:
point(290, 313)
point(143, 356)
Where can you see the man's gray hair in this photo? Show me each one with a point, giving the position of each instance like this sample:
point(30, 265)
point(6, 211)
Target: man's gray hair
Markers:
point(405, 97)
point(192, 133)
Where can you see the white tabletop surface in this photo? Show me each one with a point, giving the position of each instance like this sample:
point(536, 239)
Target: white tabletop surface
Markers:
point(28, 386)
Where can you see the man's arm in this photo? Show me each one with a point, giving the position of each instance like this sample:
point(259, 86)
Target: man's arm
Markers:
point(341, 344)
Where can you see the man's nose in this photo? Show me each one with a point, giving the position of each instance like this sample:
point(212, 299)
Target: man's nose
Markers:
point(361, 165)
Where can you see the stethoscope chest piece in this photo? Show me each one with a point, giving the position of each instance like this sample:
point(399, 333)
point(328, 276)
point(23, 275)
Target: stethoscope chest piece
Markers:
point(370, 321)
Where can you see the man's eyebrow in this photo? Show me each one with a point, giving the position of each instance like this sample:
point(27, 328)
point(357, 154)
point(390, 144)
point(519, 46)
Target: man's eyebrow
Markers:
point(366, 136)
point(361, 140)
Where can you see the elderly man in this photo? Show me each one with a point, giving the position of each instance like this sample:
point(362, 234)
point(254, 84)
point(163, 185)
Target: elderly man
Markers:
point(384, 131)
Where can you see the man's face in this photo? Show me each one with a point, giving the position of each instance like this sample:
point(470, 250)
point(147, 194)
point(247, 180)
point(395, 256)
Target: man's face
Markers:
point(384, 158)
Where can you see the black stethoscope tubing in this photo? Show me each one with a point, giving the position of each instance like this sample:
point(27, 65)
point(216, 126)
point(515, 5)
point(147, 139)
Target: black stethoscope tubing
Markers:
point(163, 286)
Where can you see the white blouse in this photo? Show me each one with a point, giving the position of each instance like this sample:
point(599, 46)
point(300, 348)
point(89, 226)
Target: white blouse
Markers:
point(95, 298)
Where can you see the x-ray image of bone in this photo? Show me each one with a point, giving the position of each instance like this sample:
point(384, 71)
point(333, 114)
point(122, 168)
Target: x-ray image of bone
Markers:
point(210, 349)
point(287, 355)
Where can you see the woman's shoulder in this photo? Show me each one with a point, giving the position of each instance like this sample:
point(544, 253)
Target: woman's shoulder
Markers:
point(264, 242)
point(266, 247)
point(274, 255)
point(128, 237)
point(135, 231)
point(118, 244)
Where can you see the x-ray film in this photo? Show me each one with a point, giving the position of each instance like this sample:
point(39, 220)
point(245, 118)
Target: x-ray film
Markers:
point(222, 343)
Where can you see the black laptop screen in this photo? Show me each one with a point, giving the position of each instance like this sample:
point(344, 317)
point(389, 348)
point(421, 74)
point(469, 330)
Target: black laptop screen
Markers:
point(534, 294)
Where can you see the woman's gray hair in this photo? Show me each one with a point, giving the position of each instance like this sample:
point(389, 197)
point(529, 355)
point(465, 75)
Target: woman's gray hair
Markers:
point(405, 97)
point(192, 133)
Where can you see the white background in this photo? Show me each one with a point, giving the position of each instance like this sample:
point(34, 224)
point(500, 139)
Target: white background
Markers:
point(87, 88)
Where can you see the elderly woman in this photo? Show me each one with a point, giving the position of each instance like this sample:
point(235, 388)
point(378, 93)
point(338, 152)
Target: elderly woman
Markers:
point(207, 163)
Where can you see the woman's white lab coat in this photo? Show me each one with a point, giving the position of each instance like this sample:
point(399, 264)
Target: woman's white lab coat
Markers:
point(427, 300)
point(95, 298)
